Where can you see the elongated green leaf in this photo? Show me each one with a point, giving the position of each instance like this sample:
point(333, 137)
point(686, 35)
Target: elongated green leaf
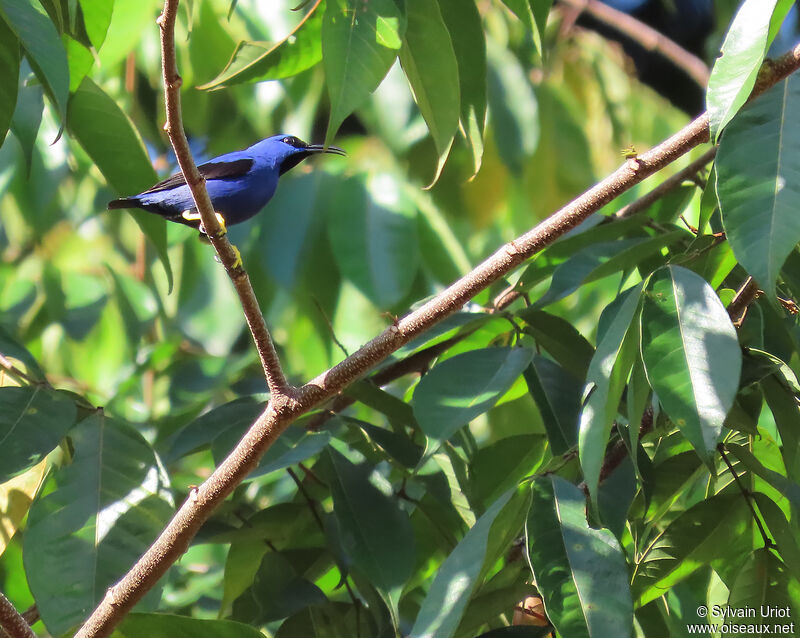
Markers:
point(96, 18)
point(788, 488)
point(292, 447)
point(463, 22)
point(261, 61)
point(781, 532)
point(40, 41)
point(558, 396)
point(497, 467)
point(533, 14)
point(360, 42)
point(32, 423)
point(459, 389)
point(16, 497)
point(9, 74)
point(514, 105)
point(560, 338)
point(783, 405)
point(734, 74)
point(601, 260)
point(98, 516)
point(28, 114)
point(375, 533)
point(109, 138)
point(691, 354)
point(169, 626)
point(758, 182)
point(373, 235)
point(764, 583)
point(714, 529)
point(430, 64)
point(580, 571)
point(458, 577)
point(605, 382)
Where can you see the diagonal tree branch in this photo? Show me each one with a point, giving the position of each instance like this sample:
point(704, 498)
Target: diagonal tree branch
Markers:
point(177, 535)
point(279, 389)
point(12, 624)
point(647, 37)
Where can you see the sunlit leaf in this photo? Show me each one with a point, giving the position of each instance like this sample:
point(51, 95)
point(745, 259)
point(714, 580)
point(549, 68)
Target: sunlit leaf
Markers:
point(100, 513)
point(260, 61)
point(758, 182)
point(580, 571)
point(691, 354)
point(360, 42)
point(40, 42)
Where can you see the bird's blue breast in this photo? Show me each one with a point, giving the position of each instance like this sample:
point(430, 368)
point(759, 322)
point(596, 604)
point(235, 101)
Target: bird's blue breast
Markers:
point(237, 199)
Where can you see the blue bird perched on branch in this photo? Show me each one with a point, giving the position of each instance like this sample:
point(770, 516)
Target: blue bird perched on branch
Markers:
point(239, 183)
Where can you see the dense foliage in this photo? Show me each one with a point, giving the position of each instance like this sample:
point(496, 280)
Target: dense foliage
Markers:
point(597, 431)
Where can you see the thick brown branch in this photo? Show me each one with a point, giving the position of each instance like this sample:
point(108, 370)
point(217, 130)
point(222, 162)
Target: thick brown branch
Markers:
point(12, 622)
point(669, 184)
point(647, 37)
point(278, 387)
point(207, 497)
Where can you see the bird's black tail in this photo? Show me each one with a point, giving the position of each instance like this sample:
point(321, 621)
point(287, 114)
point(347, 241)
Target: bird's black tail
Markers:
point(126, 202)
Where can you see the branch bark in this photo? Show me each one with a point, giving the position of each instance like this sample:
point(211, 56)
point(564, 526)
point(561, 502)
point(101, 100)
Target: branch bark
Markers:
point(11, 621)
point(647, 37)
point(279, 389)
point(177, 535)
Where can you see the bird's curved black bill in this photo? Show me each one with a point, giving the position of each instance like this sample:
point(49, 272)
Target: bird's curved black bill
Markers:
point(319, 148)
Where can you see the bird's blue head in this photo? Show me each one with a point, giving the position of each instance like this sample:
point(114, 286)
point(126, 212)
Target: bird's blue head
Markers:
point(287, 151)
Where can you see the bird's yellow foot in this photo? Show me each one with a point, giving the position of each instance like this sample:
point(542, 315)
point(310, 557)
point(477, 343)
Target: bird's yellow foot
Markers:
point(194, 216)
point(238, 261)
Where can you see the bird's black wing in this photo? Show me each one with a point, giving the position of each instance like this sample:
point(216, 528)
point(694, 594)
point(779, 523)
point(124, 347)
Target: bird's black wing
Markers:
point(210, 170)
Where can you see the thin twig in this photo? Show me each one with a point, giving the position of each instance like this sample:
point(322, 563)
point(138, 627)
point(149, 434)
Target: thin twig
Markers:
point(177, 535)
point(747, 497)
point(647, 37)
point(665, 187)
point(12, 622)
point(278, 386)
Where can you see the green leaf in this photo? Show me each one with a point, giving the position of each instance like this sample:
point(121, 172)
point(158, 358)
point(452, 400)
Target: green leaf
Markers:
point(580, 572)
point(28, 114)
point(605, 383)
point(80, 62)
point(782, 403)
point(109, 138)
point(533, 14)
point(691, 354)
point(375, 533)
point(787, 488)
point(9, 77)
point(32, 423)
point(169, 626)
point(734, 73)
point(499, 466)
point(96, 19)
point(782, 533)
point(294, 446)
point(514, 107)
point(40, 41)
point(601, 260)
point(458, 577)
point(97, 517)
point(758, 182)
point(360, 42)
point(763, 583)
point(461, 388)
point(373, 234)
point(558, 396)
point(560, 338)
point(261, 61)
point(717, 528)
point(463, 22)
point(430, 64)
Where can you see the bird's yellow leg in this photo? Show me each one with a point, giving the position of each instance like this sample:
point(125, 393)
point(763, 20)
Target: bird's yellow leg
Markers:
point(238, 261)
point(193, 216)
